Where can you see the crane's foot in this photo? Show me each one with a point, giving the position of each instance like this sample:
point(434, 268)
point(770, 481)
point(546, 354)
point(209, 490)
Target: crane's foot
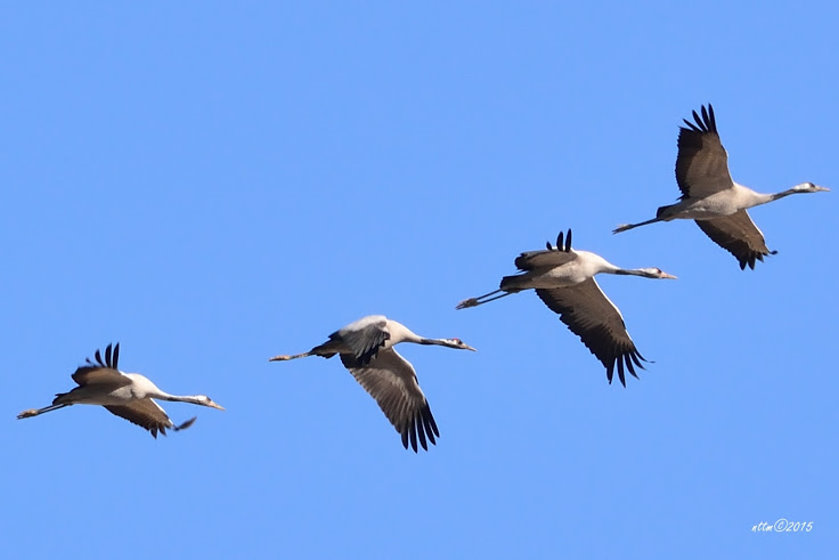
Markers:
point(471, 302)
point(282, 358)
point(185, 425)
point(27, 413)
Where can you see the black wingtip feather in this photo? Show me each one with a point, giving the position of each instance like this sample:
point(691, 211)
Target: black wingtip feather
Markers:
point(110, 360)
point(428, 422)
point(563, 242)
point(706, 122)
point(433, 424)
point(621, 374)
point(635, 356)
point(623, 362)
point(427, 429)
point(421, 432)
point(412, 432)
point(697, 119)
point(629, 365)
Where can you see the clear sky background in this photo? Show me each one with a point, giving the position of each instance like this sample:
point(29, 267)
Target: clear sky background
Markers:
point(211, 185)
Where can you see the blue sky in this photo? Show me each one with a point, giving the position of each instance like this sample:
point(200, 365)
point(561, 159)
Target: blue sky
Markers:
point(212, 185)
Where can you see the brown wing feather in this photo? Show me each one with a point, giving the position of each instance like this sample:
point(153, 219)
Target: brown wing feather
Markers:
point(392, 381)
point(738, 235)
point(552, 257)
point(145, 413)
point(702, 163)
point(101, 371)
point(591, 316)
point(532, 260)
point(87, 375)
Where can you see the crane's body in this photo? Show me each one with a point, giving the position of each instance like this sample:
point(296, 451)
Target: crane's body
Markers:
point(564, 280)
point(723, 203)
point(366, 348)
point(563, 271)
point(138, 387)
point(712, 198)
point(128, 395)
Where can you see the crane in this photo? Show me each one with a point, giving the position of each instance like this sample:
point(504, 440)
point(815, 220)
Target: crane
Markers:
point(564, 280)
point(128, 395)
point(366, 347)
point(712, 198)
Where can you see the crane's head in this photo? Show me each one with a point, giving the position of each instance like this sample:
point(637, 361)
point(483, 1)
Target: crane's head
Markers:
point(204, 400)
point(455, 343)
point(655, 273)
point(809, 187)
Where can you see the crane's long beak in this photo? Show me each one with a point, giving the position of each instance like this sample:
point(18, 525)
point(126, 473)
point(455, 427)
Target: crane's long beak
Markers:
point(211, 404)
point(467, 347)
point(822, 189)
point(665, 275)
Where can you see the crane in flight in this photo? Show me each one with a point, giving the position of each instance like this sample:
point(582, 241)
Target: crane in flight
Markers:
point(564, 280)
point(366, 347)
point(128, 395)
point(712, 198)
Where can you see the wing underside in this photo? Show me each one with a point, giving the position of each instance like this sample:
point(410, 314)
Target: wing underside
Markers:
point(392, 382)
point(589, 314)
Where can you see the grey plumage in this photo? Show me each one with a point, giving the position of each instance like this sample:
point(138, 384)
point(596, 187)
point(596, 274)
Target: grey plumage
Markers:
point(712, 198)
point(563, 279)
point(366, 350)
point(127, 395)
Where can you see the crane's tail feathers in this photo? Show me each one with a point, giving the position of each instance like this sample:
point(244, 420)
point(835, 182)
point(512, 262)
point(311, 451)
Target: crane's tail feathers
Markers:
point(480, 300)
point(185, 425)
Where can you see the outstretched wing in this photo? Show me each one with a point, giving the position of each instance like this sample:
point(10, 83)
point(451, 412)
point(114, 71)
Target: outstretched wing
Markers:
point(702, 164)
point(101, 371)
point(364, 337)
point(145, 413)
point(552, 257)
point(738, 235)
point(532, 260)
point(392, 381)
point(591, 316)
